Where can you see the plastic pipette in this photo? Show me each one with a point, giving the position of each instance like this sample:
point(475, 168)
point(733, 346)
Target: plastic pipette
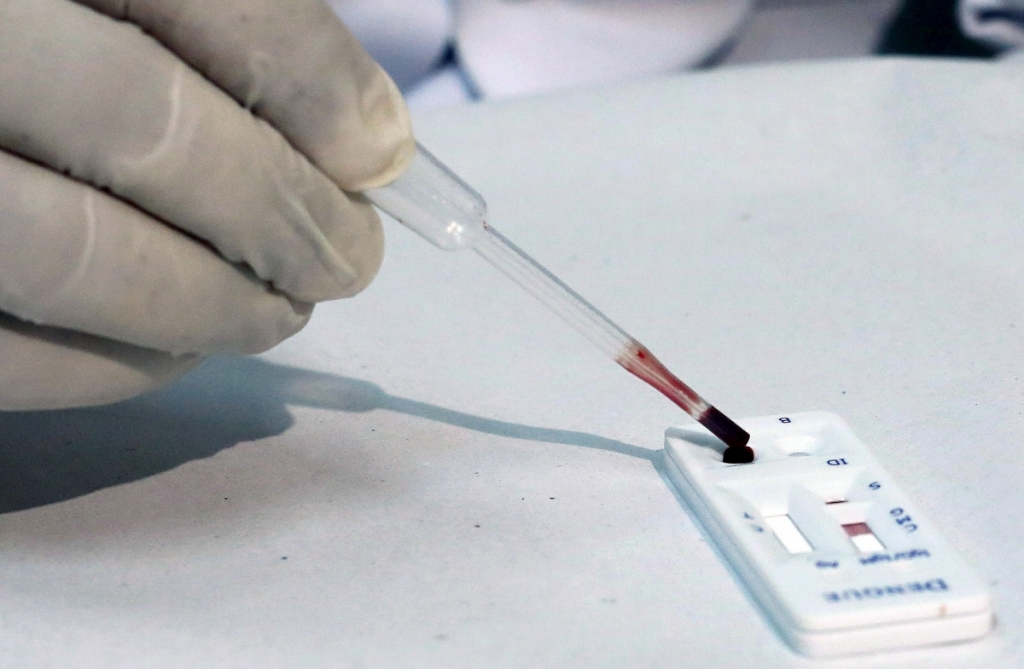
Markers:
point(439, 206)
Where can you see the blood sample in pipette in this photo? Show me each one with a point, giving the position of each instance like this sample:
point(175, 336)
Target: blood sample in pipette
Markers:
point(641, 363)
point(435, 203)
point(609, 338)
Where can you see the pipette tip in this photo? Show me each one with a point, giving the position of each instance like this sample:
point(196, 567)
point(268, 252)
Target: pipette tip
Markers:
point(734, 436)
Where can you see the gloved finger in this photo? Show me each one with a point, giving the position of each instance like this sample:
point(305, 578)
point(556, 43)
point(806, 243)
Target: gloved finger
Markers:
point(97, 98)
point(49, 368)
point(76, 258)
point(294, 64)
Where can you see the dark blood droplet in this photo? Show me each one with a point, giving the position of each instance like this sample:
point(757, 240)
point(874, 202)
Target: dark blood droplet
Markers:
point(738, 455)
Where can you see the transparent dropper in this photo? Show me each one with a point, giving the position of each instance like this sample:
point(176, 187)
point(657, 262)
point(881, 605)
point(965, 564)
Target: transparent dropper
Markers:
point(435, 203)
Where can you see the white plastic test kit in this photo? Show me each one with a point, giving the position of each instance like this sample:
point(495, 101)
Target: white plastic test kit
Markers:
point(824, 540)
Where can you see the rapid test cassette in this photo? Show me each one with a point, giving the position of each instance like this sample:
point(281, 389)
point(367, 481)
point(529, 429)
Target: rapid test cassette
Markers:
point(837, 556)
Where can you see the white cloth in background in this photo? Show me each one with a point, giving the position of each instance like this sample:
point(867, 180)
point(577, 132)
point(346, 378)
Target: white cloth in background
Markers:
point(526, 46)
point(514, 48)
point(407, 37)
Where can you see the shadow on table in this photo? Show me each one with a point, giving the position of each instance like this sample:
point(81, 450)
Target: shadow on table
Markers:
point(50, 456)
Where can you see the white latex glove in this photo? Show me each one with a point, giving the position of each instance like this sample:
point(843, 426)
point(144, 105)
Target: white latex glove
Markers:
point(178, 192)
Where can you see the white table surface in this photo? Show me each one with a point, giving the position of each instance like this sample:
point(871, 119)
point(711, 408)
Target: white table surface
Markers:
point(438, 473)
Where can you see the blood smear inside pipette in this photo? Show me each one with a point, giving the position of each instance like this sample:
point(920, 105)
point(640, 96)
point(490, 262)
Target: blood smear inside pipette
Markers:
point(641, 363)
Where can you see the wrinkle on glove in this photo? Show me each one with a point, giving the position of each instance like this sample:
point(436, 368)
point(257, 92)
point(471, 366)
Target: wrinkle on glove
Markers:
point(117, 273)
point(290, 64)
point(106, 103)
point(171, 195)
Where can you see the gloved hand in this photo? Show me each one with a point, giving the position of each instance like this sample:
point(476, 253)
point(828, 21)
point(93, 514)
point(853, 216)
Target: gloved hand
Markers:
point(172, 185)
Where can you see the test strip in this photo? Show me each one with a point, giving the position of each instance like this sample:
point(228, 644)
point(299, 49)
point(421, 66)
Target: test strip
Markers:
point(789, 534)
point(863, 538)
point(830, 591)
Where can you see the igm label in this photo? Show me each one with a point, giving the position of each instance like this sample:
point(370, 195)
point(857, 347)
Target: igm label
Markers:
point(896, 557)
point(880, 592)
